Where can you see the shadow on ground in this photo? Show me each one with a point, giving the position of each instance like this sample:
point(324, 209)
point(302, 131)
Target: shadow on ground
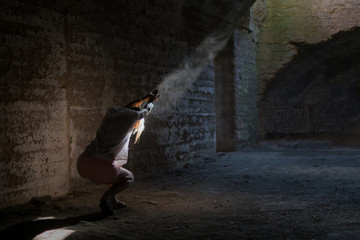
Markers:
point(30, 229)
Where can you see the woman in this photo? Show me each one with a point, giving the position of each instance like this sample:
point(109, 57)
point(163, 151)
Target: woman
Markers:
point(103, 159)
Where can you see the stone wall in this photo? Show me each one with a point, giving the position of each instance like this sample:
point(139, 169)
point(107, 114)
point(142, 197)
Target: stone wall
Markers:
point(246, 40)
point(34, 157)
point(305, 70)
point(63, 63)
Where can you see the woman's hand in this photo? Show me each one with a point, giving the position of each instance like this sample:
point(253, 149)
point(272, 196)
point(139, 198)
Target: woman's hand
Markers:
point(154, 96)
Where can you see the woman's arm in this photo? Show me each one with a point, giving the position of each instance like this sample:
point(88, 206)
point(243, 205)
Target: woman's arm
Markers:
point(149, 98)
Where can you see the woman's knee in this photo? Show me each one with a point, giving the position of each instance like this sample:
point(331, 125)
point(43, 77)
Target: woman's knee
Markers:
point(125, 176)
point(130, 178)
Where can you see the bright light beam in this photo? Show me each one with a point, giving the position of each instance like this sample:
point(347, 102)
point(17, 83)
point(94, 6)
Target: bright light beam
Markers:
point(175, 84)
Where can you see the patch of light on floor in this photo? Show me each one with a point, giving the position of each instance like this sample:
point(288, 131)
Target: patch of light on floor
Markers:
point(44, 218)
point(56, 234)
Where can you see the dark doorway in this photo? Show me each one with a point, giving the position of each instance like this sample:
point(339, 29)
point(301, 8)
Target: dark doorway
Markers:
point(224, 99)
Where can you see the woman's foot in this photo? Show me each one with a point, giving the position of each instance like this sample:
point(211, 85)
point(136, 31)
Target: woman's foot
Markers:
point(106, 207)
point(116, 203)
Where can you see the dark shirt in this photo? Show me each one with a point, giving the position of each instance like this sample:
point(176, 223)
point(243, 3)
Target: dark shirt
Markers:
point(112, 137)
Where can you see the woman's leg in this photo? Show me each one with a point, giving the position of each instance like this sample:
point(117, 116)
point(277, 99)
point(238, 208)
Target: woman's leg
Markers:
point(109, 201)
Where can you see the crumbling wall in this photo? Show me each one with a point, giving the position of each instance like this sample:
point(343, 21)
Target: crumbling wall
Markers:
point(302, 88)
point(318, 92)
point(309, 21)
point(63, 63)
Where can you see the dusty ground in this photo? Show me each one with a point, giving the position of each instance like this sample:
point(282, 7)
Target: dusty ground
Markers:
point(283, 190)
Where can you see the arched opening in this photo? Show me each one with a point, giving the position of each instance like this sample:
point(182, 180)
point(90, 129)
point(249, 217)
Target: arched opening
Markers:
point(318, 93)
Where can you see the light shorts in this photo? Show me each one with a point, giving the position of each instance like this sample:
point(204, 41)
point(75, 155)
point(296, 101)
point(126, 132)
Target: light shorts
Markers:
point(101, 170)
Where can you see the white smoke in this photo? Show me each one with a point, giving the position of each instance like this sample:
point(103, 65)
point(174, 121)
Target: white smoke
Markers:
point(175, 84)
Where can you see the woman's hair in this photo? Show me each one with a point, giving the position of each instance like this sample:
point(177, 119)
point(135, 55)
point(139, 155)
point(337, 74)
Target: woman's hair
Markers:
point(138, 128)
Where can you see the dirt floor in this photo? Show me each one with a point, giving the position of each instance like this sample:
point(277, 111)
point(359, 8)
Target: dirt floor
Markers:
point(282, 190)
